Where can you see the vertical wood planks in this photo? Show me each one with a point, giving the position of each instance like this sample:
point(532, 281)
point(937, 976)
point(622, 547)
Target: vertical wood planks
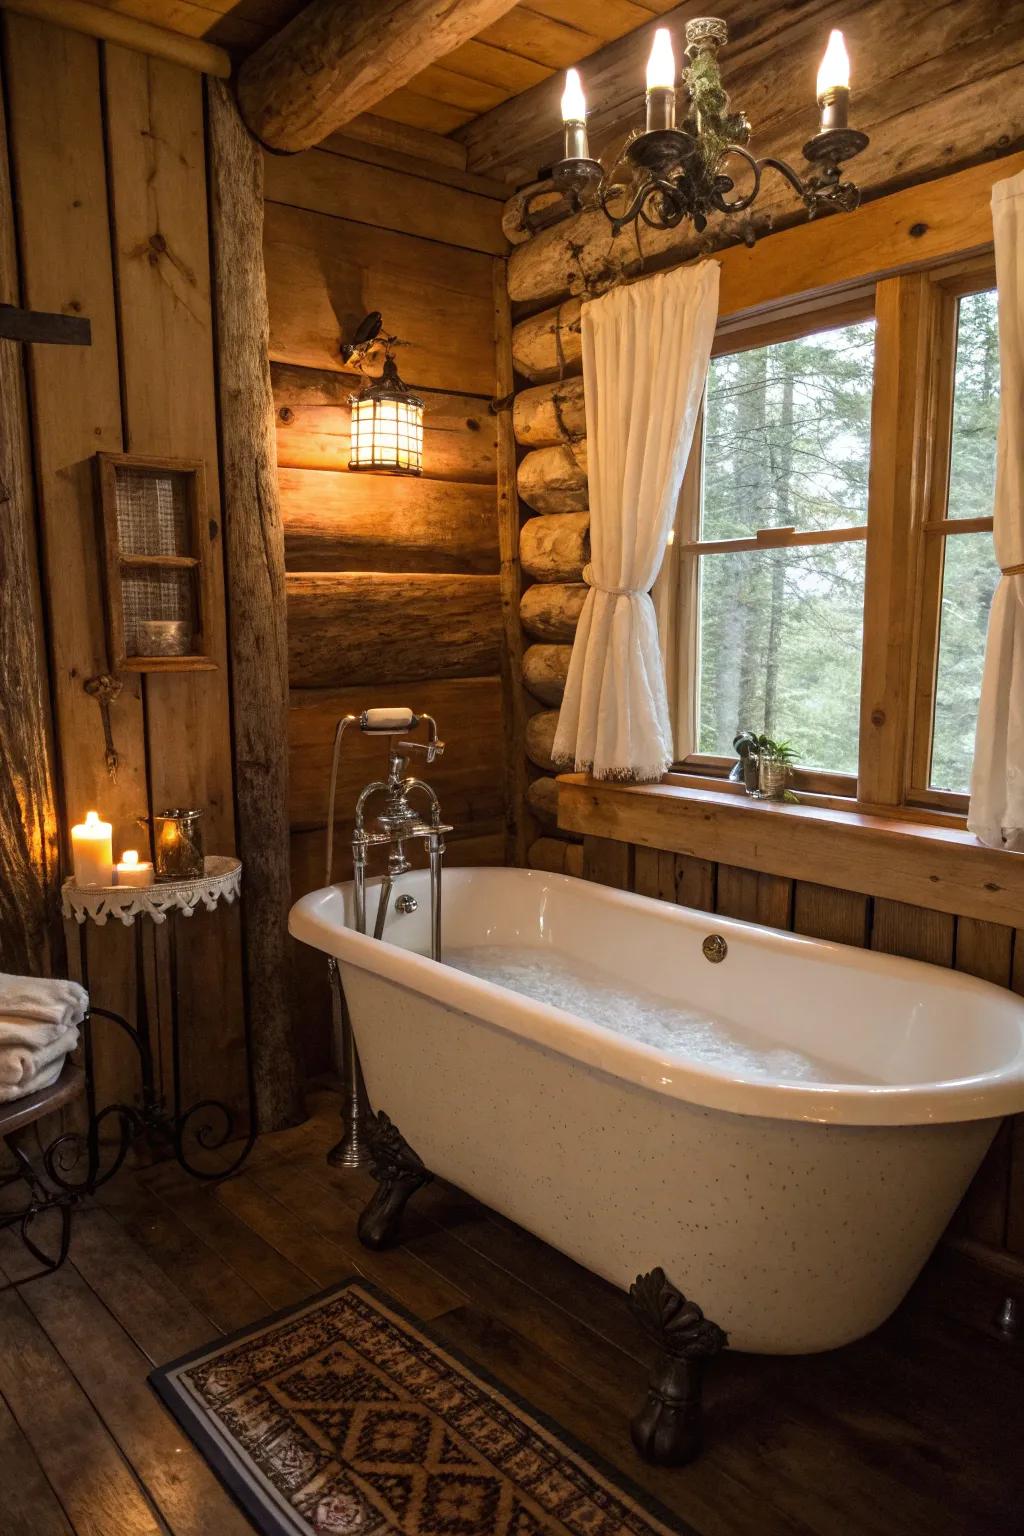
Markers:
point(823, 913)
point(754, 897)
point(31, 941)
point(917, 934)
point(56, 131)
point(986, 950)
point(157, 167)
point(608, 862)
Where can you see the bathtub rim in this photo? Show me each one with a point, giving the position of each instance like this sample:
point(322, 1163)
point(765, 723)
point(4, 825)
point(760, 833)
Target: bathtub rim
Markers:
point(984, 1096)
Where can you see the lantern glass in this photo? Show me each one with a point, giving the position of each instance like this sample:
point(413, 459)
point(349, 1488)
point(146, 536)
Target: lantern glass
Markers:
point(387, 428)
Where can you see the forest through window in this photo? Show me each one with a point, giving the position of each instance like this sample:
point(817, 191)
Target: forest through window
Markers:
point(786, 445)
point(780, 545)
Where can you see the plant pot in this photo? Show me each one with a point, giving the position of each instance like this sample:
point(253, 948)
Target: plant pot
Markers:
point(772, 777)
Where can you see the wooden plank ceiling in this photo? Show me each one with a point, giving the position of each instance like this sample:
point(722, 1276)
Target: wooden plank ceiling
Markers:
point(528, 45)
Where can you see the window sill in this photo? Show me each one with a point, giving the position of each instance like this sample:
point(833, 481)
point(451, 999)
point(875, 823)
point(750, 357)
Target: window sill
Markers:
point(942, 867)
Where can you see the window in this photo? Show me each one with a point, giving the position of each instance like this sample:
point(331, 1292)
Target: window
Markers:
point(960, 571)
point(782, 520)
point(824, 438)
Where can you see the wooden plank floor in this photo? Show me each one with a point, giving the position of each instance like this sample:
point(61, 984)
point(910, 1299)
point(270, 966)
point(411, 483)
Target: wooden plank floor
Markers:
point(913, 1432)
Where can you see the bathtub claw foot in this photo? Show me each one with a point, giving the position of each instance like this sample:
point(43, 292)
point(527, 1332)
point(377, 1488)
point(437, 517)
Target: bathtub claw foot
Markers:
point(667, 1430)
point(399, 1174)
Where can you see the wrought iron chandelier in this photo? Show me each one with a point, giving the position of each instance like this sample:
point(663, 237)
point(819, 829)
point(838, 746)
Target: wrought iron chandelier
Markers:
point(666, 174)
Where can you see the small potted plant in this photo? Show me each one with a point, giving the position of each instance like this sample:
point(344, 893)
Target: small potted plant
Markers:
point(775, 761)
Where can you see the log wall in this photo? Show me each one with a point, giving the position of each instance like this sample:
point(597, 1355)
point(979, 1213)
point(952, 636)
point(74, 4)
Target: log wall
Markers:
point(108, 168)
point(395, 585)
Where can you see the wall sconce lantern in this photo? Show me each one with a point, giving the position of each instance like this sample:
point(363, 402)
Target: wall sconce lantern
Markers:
point(387, 418)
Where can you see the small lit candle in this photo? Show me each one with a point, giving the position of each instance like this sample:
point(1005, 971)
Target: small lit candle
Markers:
point(91, 844)
point(574, 117)
point(661, 82)
point(132, 870)
point(833, 87)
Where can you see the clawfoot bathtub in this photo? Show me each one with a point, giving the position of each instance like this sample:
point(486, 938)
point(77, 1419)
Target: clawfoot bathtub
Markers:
point(784, 1126)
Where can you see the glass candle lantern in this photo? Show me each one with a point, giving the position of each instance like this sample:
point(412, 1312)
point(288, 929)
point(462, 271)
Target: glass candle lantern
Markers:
point(387, 426)
point(177, 844)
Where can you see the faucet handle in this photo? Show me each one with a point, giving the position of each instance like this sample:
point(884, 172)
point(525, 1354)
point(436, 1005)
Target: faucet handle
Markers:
point(431, 750)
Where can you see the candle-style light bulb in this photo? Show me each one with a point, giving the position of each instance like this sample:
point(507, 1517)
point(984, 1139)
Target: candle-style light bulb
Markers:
point(574, 116)
point(661, 66)
point(834, 69)
point(574, 103)
point(834, 84)
point(661, 83)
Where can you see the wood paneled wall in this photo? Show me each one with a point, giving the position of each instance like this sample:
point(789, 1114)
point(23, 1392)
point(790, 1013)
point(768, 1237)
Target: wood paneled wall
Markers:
point(108, 169)
point(394, 587)
point(991, 1217)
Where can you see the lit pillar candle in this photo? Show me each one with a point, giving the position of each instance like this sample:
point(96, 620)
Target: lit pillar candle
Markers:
point(661, 82)
point(92, 848)
point(834, 84)
point(574, 117)
point(132, 870)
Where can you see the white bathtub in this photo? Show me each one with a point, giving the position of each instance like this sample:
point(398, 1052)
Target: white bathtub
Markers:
point(796, 1213)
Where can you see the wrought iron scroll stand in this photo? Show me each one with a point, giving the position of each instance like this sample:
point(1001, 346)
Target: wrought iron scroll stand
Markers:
point(174, 1123)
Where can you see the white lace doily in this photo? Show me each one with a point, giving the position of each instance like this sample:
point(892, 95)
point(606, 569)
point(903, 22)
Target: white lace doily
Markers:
point(221, 881)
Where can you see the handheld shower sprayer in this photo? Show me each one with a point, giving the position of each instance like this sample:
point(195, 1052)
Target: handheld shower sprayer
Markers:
point(395, 824)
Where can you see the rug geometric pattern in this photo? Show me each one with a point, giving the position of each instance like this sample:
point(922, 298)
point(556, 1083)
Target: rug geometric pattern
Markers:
point(344, 1417)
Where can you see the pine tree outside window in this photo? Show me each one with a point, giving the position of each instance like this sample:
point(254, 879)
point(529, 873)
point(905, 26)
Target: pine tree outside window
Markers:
point(786, 619)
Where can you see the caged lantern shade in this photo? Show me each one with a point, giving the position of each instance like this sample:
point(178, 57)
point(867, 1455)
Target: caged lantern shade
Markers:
point(387, 426)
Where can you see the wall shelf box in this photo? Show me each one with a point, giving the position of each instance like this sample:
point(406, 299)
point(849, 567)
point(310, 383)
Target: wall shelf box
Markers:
point(158, 559)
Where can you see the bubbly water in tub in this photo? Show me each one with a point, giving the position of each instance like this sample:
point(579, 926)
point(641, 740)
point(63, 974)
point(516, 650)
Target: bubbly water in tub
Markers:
point(636, 1014)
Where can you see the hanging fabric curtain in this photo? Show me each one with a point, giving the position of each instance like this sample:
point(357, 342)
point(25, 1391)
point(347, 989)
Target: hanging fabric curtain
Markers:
point(996, 813)
point(645, 359)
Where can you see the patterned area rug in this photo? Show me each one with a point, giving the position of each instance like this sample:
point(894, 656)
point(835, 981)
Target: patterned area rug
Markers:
point(343, 1415)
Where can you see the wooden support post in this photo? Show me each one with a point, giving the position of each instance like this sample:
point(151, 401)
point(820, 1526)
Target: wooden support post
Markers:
point(339, 58)
point(257, 633)
point(516, 813)
point(31, 939)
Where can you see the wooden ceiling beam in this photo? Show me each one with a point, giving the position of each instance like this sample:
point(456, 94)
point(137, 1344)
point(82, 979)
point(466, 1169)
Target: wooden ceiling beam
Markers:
point(129, 31)
point(339, 58)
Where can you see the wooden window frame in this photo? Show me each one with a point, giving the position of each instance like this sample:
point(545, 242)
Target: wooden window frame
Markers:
point(906, 532)
point(950, 285)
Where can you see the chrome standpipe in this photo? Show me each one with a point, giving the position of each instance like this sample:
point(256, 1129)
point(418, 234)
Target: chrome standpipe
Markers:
point(395, 824)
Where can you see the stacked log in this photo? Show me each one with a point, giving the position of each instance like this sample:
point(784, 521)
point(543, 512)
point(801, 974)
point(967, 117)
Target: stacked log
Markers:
point(545, 668)
point(555, 548)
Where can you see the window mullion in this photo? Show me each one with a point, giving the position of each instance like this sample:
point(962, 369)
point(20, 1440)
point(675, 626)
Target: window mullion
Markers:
point(939, 428)
point(905, 310)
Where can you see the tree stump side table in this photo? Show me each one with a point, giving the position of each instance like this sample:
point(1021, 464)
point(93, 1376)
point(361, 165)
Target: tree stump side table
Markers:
point(209, 1123)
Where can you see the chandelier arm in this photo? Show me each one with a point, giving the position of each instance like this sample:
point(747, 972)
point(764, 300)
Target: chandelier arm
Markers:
point(739, 204)
point(795, 180)
point(634, 210)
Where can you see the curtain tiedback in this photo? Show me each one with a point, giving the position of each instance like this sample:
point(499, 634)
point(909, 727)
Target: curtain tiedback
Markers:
point(996, 813)
point(646, 348)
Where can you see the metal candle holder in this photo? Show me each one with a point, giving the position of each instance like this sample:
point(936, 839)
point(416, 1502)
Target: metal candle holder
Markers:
point(177, 844)
point(686, 172)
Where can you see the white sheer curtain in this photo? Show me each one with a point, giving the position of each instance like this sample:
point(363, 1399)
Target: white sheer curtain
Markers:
point(996, 813)
point(645, 357)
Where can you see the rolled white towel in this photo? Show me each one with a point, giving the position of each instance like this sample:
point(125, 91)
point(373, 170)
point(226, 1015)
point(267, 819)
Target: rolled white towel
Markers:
point(47, 1002)
point(19, 1064)
point(44, 1078)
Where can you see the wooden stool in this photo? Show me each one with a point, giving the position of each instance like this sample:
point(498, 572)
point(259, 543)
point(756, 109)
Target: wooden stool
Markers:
point(15, 1117)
